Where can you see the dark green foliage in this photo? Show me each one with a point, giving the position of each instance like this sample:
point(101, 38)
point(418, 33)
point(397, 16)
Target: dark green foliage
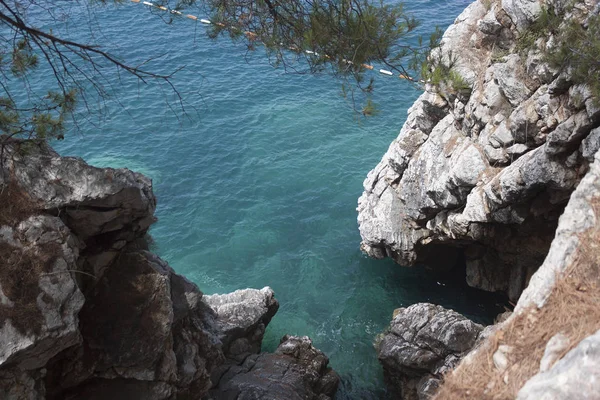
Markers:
point(339, 36)
point(45, 120)
point(76, 67)
point(42, 118)
point(342, 36)
point(424, 57)
point(23, 58)
point(575, 47)
point(442, 75)
point(578, 52)
point(546, 24)
point(370, 109)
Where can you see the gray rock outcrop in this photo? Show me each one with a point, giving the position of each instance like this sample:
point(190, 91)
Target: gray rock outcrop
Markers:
point(143, 328)
point(295, 371)
point(242, 317)
point(575, 376)
point(559, 376)
point(483, 174)
point(424, 341)
point(86, 311)
point(580, 215)
point(40, 300)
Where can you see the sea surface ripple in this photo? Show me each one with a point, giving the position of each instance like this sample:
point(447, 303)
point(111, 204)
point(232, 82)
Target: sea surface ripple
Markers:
point(257, 182)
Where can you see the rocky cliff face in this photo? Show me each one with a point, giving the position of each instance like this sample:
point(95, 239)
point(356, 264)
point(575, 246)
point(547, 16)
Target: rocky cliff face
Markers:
point(548, 348)
point(484, 173)
point(86, 311)
point(296, 371)
point(423, 343)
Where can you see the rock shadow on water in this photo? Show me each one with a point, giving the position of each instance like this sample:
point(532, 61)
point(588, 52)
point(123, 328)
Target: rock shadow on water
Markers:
point(448, 287)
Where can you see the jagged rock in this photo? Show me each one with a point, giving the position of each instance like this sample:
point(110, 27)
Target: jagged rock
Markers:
point(242, 317)
point(40, 299)
point(492, 171)
point(501, 137)
point(22, 385)
point(538, 69)
point(91, 200)
point(575, 376)
point(517, 150)
point(590, 145)
point(457, 35)
point(537, 132)
point(144, 329)
point(424, 341)
point(569, 134)
point(295, 371)
point(489, 24)
point(509, 76)
point(522, 12)
point(87, 312)
point(560, 85)
point(580, 215)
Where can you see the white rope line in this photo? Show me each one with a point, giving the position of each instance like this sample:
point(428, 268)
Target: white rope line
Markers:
point(252, 34)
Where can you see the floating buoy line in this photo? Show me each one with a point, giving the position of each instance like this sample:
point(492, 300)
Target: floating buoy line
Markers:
point(252, 34)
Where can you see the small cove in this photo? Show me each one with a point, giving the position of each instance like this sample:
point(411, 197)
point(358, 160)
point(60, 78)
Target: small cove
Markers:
point(257, 184)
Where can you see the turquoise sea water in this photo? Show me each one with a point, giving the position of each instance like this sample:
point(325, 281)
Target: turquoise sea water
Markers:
point(258, 183)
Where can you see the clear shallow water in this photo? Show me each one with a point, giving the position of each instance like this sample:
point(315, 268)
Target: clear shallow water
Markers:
point(257, 185)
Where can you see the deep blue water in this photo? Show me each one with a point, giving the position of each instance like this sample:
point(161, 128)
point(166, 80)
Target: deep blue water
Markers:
point(257, 183)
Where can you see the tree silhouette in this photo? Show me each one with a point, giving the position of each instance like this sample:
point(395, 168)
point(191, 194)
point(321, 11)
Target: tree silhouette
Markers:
point(338, 36)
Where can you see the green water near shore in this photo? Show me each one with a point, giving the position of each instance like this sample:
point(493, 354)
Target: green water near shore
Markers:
point(258, 184)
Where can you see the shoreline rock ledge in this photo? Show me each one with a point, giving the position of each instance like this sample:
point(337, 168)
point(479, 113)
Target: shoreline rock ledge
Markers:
point(504, 174)
point(88, 312)
point(423, 342)
point(483, 174)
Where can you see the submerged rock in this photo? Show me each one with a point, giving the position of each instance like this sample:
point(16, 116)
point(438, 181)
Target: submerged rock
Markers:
point(424, 341)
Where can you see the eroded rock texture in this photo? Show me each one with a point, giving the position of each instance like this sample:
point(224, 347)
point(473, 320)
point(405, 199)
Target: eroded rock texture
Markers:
point(581, 214)
point(576, 375)
point(242, 317)
point(296, 371)
point(559, 373)
point(483, 173)
point(86, 311)
point(424, 342)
